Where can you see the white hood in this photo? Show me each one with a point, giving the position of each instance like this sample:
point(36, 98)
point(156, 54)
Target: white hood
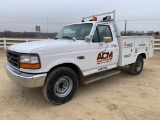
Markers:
point(27, 47)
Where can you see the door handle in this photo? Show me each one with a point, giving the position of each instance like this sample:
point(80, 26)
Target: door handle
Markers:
point(113, 45)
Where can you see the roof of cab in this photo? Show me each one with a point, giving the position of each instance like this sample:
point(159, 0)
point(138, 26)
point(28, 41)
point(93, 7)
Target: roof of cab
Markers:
point(93, 22)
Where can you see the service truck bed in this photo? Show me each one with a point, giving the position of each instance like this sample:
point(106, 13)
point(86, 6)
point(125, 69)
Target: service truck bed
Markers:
point(131, 46)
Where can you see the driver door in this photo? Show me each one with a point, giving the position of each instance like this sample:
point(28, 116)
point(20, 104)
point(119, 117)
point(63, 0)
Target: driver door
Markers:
point(102, 56)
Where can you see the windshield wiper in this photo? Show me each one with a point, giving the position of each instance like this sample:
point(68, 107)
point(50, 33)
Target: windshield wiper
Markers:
point(69, 37)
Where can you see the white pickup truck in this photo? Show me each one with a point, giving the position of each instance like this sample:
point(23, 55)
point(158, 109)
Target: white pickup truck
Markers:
point(81, 53)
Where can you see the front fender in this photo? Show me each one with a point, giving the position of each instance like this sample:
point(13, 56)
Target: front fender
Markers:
point(62, 61)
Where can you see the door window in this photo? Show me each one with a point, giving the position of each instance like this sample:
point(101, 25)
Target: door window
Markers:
point(101, 31)
point(95, 38)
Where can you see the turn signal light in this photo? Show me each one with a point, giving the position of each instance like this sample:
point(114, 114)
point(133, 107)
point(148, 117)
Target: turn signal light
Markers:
point(30, 66)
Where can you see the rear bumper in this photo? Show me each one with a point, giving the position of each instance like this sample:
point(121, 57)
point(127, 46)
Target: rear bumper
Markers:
point(25, 79)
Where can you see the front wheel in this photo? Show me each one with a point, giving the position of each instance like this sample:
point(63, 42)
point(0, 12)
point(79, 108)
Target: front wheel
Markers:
point(60, 85)
point(137, 67)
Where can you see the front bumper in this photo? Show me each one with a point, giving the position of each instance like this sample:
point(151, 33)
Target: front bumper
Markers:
point(25, 79)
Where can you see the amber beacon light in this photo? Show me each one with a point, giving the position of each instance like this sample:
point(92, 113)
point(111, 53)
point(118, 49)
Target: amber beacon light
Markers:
point(94, 18)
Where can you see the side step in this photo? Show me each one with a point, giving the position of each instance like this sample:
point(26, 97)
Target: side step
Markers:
point(99, 76)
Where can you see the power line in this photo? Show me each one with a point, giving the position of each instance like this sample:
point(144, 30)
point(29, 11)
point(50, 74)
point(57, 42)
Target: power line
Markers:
point(143, 23)
point(140, 20)
point(37, 22)
point(28, 22)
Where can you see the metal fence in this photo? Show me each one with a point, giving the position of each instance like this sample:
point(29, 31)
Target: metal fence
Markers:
point(5, 42)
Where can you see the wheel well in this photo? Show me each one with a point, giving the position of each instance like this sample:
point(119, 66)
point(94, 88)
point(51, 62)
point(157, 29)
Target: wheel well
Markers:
point(73, 67)
point(143, 55)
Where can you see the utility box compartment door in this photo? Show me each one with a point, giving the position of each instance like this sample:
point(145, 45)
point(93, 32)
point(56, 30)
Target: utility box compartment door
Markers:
point(127, 51)
point(151, 51)
point(131, 46)
point(141, 42)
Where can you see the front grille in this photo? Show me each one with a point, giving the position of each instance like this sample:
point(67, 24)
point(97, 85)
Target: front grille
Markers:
point(13, 58)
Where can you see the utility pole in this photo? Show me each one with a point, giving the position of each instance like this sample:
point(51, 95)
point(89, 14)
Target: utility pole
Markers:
point(47, 23)
point(125, 27)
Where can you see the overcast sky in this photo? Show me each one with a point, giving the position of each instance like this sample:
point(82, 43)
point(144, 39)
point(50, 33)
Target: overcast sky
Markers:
point(24, 15)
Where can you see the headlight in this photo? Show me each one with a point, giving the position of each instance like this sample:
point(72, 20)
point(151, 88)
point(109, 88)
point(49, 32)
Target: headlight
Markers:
point(29, 61)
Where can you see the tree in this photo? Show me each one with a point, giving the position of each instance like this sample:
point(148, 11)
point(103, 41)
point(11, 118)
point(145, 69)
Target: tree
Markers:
point(157, 33)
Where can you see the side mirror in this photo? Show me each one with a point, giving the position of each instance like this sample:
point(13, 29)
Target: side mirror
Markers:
point(107, 39)
point(88, 38)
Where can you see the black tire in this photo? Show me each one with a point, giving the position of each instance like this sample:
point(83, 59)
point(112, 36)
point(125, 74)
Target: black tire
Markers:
point(137, 67)
point(60, 85)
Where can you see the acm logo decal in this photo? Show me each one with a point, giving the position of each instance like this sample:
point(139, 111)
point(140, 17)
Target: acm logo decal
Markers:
point(104, 57)
point(126, 45)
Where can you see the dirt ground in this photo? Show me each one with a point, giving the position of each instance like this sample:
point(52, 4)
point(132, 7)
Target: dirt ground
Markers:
point(120, 97)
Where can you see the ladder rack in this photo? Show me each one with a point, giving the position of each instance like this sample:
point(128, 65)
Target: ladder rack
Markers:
point(112, 12)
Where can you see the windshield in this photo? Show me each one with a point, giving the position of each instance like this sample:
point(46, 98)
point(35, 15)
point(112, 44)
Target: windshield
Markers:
point(76, 31)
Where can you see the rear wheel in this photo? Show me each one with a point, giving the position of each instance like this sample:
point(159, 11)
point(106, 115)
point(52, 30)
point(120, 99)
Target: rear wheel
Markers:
point(137, 67)
point(60, 85)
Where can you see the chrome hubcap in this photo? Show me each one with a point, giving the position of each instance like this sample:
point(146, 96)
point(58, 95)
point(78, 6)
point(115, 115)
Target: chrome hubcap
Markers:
point(63, 86)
